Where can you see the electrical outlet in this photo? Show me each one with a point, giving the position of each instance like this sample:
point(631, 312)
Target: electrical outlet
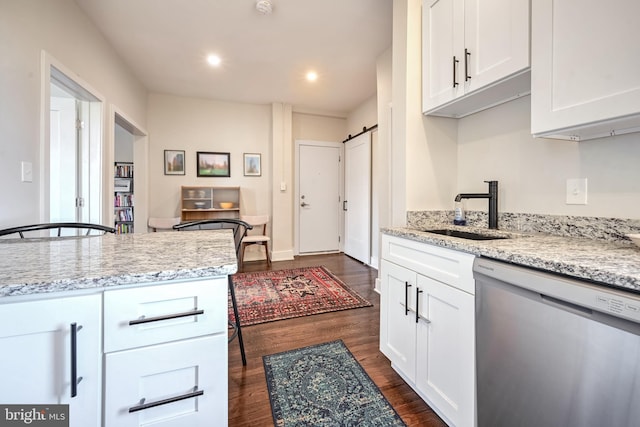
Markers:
point(577, 191)
point(27, 172)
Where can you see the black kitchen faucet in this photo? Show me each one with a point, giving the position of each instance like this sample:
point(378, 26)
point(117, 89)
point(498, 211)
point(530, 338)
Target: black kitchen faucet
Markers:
point(492, 195)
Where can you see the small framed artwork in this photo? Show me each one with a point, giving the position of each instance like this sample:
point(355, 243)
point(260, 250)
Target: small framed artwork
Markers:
point(173, 162)
point(252, 166)
point(214, 164)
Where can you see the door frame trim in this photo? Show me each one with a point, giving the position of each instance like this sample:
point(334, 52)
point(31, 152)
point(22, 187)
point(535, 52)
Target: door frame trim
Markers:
point(296, 211)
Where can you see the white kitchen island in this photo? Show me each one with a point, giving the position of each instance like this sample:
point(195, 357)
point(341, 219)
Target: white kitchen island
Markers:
point(127, 330)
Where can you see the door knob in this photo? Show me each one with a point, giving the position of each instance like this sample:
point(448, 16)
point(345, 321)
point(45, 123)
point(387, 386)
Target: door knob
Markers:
point(303, 204)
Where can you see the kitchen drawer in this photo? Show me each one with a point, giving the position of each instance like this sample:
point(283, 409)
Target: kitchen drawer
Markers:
point(448, 266)
point(181, 382)
point(150, 315)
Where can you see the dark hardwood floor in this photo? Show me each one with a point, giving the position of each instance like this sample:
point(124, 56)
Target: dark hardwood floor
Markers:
point(358, 328)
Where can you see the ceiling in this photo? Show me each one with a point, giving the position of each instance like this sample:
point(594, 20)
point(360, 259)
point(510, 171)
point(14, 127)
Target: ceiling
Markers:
point(264, 57)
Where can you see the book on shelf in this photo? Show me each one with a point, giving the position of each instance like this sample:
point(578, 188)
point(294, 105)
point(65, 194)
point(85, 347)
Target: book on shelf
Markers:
point(123, 170)
point(121, 200)
point(125, 215)
point(124, 228)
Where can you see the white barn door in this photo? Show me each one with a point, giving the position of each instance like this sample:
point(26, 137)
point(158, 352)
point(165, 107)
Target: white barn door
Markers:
point(357, 172)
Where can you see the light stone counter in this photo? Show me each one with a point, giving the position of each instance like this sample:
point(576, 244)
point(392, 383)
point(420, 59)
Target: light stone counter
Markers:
point(613, 263)
point(35, 266)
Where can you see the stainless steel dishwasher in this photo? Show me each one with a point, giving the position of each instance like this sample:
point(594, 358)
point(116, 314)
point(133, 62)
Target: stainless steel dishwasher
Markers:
point(553, 351)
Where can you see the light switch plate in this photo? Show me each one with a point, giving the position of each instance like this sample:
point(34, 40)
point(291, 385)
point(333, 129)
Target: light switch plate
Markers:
point(27, 172)
point(577, 191)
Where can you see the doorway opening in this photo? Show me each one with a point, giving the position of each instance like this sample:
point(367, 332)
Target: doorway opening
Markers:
point(72, 160)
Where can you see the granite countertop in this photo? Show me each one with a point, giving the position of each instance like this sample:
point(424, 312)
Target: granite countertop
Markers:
point(34, 266)
point(614, 264)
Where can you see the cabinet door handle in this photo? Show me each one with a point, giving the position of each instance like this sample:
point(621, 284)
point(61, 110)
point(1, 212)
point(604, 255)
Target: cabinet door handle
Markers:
point(455, 62)
point(75, 380)
point(165, 317)
point(142, 406)
point(467, 54)
point(418, 292)
point(406, 298)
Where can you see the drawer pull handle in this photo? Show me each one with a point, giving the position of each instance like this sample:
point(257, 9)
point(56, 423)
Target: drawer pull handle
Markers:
point(418, 292)
point(467, 54)
point(406, 298)
point(165, 317)
point(142, 406)
point(455, 66)
point(75, 380)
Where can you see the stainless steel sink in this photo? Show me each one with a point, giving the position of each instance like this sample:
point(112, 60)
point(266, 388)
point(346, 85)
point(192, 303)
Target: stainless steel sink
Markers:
point(465, 234)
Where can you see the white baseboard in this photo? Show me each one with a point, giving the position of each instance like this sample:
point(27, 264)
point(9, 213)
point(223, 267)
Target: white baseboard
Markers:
point(374, 262)
point(282, 255)
point(376, 286)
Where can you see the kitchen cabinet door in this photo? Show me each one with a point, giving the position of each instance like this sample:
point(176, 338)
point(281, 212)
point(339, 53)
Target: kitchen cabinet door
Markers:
point(585, 79)
point(475, 54)
point(497, 35)
point(36, 357)
point(397, 324)
point(177, 384)
point(445, 352)
point(442, 45)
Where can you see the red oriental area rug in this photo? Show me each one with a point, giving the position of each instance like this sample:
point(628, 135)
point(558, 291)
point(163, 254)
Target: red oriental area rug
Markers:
point(267, 296)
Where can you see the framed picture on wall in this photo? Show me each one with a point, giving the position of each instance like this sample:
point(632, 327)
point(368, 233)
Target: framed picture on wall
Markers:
point(173, 162)
point(252, 166)
point(214, 164)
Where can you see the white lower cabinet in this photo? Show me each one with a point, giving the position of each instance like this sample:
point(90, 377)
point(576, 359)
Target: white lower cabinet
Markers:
point(168, 385)
point(427, 326)
point(151, 355)
point(166, 355)
point(37, 357)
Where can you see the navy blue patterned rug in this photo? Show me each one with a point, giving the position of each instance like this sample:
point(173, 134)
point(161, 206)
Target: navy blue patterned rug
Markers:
point(324, 385)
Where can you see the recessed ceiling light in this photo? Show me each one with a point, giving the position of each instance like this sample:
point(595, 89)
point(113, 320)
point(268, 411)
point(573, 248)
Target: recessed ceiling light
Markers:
point(213, 60)
point(312, 76)
point(264, 7)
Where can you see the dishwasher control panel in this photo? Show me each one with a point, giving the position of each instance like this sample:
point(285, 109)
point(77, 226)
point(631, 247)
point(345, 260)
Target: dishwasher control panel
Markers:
point(619, 305)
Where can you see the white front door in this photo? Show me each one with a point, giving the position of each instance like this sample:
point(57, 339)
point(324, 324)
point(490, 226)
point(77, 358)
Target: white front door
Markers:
point(318, 196)
point(357, 196)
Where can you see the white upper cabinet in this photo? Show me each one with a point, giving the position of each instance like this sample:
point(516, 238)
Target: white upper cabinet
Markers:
point(475, 54)
point(585, 68)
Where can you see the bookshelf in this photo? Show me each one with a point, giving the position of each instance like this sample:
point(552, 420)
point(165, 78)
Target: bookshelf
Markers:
point(208, 202)
point(123, 197)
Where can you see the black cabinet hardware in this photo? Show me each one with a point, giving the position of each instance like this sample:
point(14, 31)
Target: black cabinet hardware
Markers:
point(165, 317)
point(142, 406)
point(75, 380)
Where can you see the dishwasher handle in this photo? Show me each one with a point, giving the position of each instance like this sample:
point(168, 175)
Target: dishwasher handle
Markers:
point(567, 306)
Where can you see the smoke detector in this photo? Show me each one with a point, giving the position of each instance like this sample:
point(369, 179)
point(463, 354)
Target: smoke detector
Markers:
point(265, 7)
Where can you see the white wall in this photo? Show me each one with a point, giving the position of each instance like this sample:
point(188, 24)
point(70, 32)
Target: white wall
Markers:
point(194, 124)
point(318, 127)
point(123, 144)
point(365, 115)
point(59, 27)
point(423, 150)
point(532, 173)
